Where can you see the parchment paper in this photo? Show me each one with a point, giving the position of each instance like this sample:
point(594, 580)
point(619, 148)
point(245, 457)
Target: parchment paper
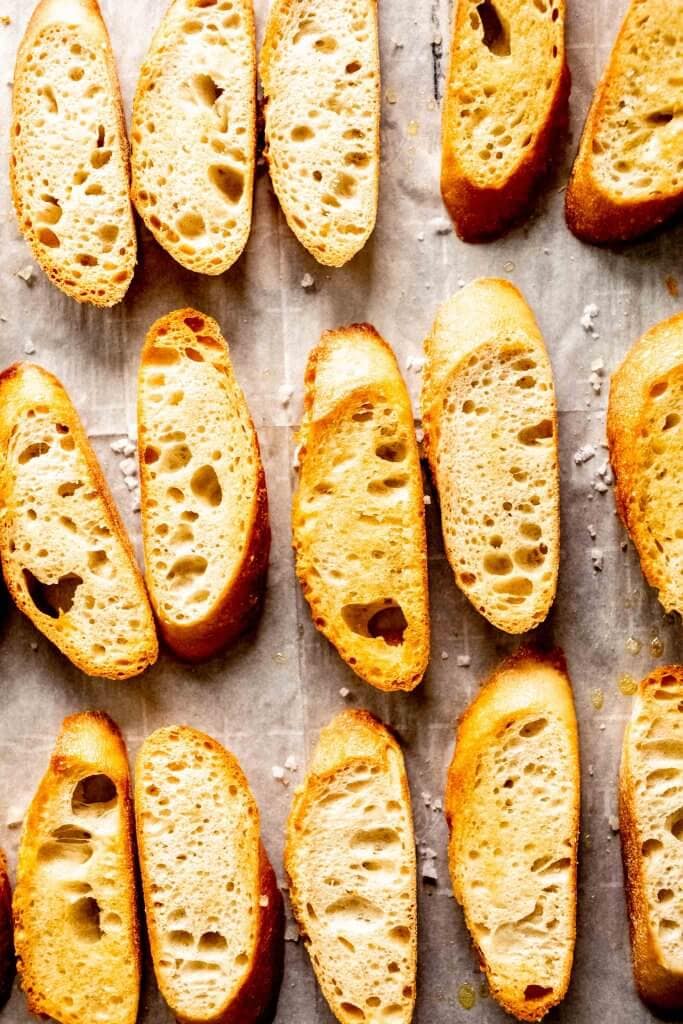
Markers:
point(268, 698)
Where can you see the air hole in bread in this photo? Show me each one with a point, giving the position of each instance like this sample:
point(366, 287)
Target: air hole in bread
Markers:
point(176, 458)
point(353, 67)
point(393, 452)
point(47, 237)
point(206, 90)
point(151, 455)
point(352, 1012)
point(47, 92)
point(53, 599)
point(382, 619)
point(98, 562)
point(534, 992)
point(659, 388)
point(33, 451)
point(228, 180)
point(538, 434)
point(191, 225)
point(354, 913)
point(205, 485)
point(212, 942)
point(100, 158)
point(179, 939)
point(68, 844)
point(533, 728)
point(94, 796)
point(69, 488)
point(671, 420)
point(326, 44)
point(498, 565)
point(389, 483)
point(301, 133)
point(185, 571)
point(84, 916)
point(364, 414)
point(375, 840)
point(108, 233)
point(52, 212)
point(675, 825)
point(496, 34)
point(659, 117)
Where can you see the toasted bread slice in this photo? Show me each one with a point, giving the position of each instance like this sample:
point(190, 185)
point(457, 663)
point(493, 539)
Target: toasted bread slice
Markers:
point(490, 422)
point(651, 825)
point(504, 107)
point(512, 804)
point(66, 558)
point(626, 178)
point(214, 912)
point(321, 82)
point(6, 937)
point(646, 448)
point(194, 133)
point(350, 858)
point(204, 501)
point(75, 916)
point(69, 154)
point(358, 516)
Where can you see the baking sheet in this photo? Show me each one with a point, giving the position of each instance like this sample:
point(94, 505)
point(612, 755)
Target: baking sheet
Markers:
point(268, 698)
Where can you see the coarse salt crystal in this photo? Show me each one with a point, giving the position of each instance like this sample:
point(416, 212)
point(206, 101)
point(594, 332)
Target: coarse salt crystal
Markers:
point(307, 281)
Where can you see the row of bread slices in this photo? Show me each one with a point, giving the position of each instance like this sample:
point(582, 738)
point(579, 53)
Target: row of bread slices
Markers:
point(193, 136)
point(505, 111)
point(490, 430)
point(214, 911)
point(194, 131)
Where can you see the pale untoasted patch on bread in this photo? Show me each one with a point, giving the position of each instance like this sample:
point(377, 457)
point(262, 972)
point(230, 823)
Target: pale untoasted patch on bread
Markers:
point(350, 858)
point(628, 176)
point(204, 503)
point(512, 802)
point(358, 512)
point(646, 449)
point(320, 70)
point(69, 154)
point(75, 918)
point(505, 98)
point(651, 818)
point(211, 899)
point(491, 434)
point(6, 938)
point(197, 93)
point(66, 558)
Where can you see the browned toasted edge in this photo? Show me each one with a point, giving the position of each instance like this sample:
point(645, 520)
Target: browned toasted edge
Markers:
point(7, 964)
point(257, 995)
point(143, 84)
point(32, 29)
point(68, 753)
point(457, 782)
point(12, 376)
point(338, 738)
point(657, 986)
point(243, 597)
point(592, 215)
point(481, 214)
point(315, 356)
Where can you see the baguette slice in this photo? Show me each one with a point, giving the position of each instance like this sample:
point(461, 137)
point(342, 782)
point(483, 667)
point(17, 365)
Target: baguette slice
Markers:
point(350, 858)
point(75, 916)
point(6, 937)
point(321, 82)
point(626, 178)
point(651, 825)
point(66, 558)
point(512, 805)
point(490, 422)
point(358, 516)
point(646, 449)
point(214, 912)
point(69, 154)
point(204, 500)
point(194, 133)
point(504, 108)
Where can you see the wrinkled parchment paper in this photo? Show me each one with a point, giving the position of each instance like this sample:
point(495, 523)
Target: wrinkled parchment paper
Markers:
point(268, 698)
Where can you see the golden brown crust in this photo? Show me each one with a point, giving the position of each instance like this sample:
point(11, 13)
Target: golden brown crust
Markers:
point(657, 984)
point(655, 357)
point(240, 602)
point(594, 214)
point(334, 391)
point(484, 212)
point(88, 743)
point(21, 386)
point(7, 966)
point(88, 14)
point(258, 992)
point(529, 681)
